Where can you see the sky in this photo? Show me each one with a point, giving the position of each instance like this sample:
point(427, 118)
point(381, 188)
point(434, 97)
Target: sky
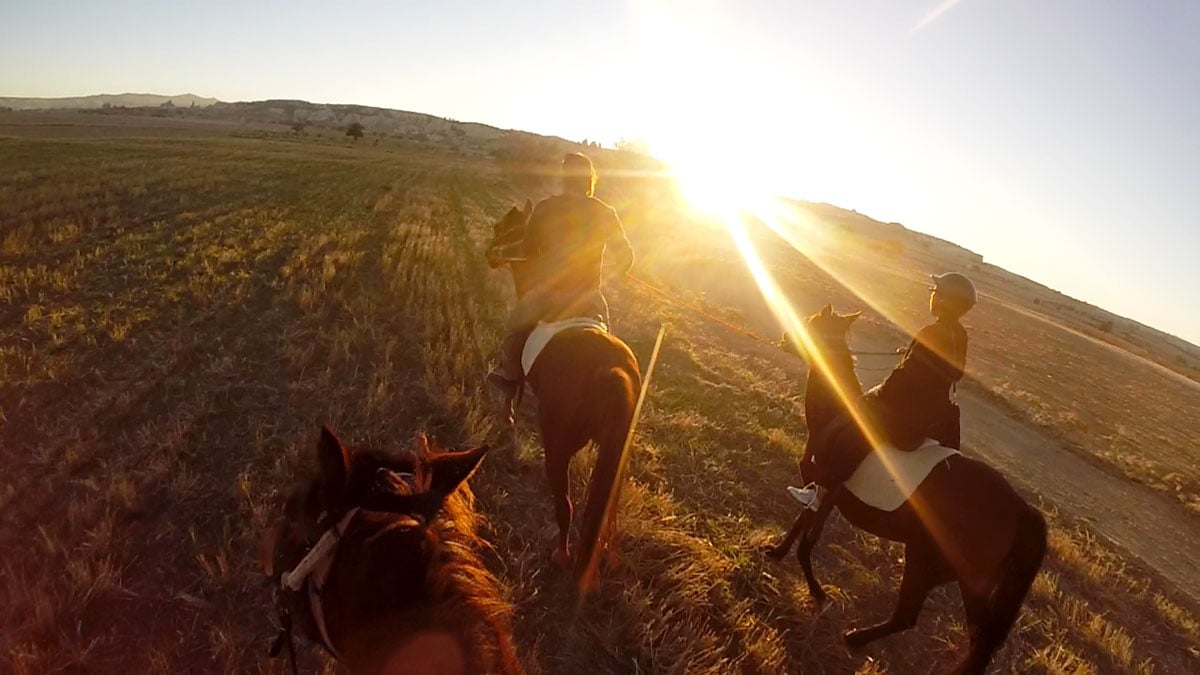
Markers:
point(1061, 140)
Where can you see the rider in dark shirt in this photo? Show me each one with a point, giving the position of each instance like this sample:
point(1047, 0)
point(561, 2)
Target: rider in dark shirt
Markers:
point(915, 397)
point(568, 235)
point(566, 239)
point(914, 402)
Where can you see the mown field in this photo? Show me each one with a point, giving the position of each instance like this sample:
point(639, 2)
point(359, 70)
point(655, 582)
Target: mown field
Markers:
point(179, 313)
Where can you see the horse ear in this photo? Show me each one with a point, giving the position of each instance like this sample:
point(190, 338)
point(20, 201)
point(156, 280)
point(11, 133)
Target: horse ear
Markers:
point(335, 467)
point(850, 318)
point(448, 470)
point(827, 310)
point(422, 444)
point(528, 210)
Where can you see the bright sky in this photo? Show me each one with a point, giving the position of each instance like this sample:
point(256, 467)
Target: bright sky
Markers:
point(1059, 139)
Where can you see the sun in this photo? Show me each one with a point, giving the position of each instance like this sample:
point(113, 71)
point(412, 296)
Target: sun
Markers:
point(717, 182)
point(710, 189)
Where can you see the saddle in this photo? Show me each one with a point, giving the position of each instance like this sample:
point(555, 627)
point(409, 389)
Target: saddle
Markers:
point(888, 475)
point(544, 332)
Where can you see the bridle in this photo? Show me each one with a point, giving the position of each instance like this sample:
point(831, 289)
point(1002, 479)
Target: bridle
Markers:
point(311, 574)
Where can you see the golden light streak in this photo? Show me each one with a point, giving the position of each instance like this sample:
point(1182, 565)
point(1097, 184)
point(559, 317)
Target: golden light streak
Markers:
point(813, 240)
point(797, 330)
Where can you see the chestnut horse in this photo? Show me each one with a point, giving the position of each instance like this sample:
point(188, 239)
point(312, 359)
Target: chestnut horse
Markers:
point(586, 382)
point(375, 559)
point(964, 522)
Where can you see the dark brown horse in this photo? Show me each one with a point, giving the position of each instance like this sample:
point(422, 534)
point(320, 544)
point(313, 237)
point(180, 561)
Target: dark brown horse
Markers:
point(964, 523)
point(375, 559)
point(586, 382)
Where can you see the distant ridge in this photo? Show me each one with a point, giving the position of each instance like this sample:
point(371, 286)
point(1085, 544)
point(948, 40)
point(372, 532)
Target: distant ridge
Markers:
point(127, 100)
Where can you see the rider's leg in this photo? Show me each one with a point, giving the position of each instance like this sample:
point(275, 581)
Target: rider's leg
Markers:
point(600, 308)
point(834, 461)
point(587, 305)
point(510, 355)
point(525, 315)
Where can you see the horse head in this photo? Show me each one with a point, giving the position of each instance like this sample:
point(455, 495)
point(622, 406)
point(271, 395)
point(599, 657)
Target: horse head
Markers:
point(833, 367)
point(507, 231)
point(830, 331)
point(355, 555)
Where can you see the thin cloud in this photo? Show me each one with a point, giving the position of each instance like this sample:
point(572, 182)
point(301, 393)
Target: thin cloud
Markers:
point(935, 14)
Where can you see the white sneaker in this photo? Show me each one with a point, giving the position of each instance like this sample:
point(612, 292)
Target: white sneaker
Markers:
point(809, 496)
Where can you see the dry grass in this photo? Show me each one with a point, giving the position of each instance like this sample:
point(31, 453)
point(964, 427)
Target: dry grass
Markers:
point(180, 313)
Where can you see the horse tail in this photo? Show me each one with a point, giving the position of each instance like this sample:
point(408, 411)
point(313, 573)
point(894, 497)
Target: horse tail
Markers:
point(1021, 565)
point(617, 398)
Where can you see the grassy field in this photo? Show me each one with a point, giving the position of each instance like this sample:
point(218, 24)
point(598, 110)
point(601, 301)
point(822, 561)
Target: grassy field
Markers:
point(180, 311)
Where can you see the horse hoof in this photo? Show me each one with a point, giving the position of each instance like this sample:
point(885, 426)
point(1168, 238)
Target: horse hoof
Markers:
point(855, 639)
point(774, 552)
point(609, 558)
point(562, 558)
point(819, 597)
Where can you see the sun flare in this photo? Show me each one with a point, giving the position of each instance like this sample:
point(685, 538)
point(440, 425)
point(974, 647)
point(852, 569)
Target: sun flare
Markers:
point(716, 183)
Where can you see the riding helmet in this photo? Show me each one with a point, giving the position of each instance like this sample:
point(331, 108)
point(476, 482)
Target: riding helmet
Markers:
point(957, 286)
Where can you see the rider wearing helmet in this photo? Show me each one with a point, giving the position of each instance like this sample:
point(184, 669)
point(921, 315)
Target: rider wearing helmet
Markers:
point(566, 239)
point(914, 402)
point(915, 398)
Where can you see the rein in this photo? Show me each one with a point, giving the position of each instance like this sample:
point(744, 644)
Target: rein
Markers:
point(311, 573)
point(697, 310)
point(715, 319)
point(303, 574)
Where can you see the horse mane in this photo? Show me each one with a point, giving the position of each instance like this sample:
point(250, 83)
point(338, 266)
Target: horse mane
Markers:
point(461, 596)
point(821, 402)
point(464, 595)
point(379, 613)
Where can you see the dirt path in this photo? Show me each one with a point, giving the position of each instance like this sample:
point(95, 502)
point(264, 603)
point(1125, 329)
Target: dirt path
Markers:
point(1116, 351)
point(1142, 522)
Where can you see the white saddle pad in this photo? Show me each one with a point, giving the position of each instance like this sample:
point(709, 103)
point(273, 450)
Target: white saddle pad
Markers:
point(541, 336)
point(888, 477)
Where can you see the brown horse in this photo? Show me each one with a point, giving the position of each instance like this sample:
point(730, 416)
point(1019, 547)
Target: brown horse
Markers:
point(375, 560)
point(586, 382)
point(964, 523)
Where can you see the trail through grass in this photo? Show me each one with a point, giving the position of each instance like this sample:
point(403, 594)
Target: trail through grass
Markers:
point(177, 317)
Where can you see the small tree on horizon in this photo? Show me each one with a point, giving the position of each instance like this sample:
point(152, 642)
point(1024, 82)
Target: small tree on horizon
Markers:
point(355, 131)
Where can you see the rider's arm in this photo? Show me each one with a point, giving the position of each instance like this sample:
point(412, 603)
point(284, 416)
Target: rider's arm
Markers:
point(535, 231)
point(513, 251)
point(922, 367)
point(935, 356)
point(618, 245)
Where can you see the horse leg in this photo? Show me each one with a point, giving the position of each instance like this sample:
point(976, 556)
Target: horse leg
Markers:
point(560, 443)
point(812, 535)
point(923, 572)
point(558, 466)
point(781, 549)
point(976, 606)
point(611, 557)
point(509, 411)
point(992, 614)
